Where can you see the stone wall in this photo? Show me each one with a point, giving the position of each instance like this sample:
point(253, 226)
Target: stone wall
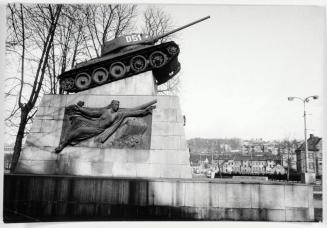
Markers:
point(59, 198)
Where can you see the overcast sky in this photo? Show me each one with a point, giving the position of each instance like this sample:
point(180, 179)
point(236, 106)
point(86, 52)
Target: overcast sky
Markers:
point(239, 67)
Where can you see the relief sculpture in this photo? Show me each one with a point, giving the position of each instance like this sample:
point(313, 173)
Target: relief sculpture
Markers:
point(101, 123)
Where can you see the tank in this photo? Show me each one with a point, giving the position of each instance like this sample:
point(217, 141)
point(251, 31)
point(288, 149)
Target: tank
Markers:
point(124, 57)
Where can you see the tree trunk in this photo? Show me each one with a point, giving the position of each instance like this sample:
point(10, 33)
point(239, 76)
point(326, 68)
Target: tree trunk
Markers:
point(19, 139)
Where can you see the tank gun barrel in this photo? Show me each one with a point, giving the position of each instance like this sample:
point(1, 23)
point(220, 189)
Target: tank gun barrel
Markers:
point(180, 28)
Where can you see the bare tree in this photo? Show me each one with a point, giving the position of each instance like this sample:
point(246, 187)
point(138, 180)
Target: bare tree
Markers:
point(33, 29)
point(288, 146)
point(67, 47)
point(105, 22)
point(156, 23)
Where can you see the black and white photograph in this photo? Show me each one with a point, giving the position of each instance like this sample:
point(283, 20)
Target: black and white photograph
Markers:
point(118, 112)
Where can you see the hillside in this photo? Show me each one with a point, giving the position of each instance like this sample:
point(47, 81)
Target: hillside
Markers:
point(198, 145)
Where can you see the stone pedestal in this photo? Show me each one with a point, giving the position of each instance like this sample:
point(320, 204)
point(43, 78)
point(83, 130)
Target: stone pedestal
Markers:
point(167, 156)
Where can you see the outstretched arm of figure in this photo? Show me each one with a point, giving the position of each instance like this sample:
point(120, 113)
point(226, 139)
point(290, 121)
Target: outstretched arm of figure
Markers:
point(144, 106)
point(141, 112)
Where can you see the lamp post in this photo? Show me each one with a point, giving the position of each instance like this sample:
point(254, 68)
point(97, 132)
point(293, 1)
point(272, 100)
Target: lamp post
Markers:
point(305, 100)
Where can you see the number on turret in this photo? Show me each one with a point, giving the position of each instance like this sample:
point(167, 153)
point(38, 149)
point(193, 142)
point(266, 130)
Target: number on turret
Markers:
point(133, 38)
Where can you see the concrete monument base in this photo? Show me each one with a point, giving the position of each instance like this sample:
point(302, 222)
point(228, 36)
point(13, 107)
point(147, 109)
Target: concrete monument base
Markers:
point(31, 198)
point(162, 153)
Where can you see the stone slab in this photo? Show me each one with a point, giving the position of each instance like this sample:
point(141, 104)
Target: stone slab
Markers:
point(148, 170)
point(270, 195)
point(197, 195)
point(46, 100)
point(141, 84)
point(36, 126)
point(50, 113)
point(36, 167)
point(180, 157)
point(175, 171)
point(38, 154)
point(295, 198)
point(159, 142)
point(277, 215)
point(103, 162)
point(162, 192)
point(167, 129)
point(297, 214)
point(43, 139)
point(232, 197)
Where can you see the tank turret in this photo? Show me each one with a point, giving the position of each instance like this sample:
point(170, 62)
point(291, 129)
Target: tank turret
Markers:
point(123, 57)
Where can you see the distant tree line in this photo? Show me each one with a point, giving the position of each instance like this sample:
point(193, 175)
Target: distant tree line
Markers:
point(215, 145)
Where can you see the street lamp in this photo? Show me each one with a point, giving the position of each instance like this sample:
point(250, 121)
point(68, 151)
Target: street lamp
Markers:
point(305, 100)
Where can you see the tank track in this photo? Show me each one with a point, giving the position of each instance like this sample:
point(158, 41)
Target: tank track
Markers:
point(162, 59)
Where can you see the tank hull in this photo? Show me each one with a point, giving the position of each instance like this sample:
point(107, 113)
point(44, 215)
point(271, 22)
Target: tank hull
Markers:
point(162, 59)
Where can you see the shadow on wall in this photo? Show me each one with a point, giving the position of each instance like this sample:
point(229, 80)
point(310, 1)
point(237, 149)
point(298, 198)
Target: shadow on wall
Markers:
point(29, 198)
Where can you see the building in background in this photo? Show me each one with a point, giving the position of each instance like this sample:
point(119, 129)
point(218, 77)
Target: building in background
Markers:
point(314, 156)
point(259, 146)
point(8, 148)
point(248, 164)
point(8, 152)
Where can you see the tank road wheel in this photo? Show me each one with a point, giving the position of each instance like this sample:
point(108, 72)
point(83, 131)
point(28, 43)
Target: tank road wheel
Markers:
point(67, 84)
point(173, 49)
point(157, 59)
point(138, 63)
point(100, 75)
point(117, 70)
point(83, 81)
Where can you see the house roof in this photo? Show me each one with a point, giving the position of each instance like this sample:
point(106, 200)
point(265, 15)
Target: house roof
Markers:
point(313, 141)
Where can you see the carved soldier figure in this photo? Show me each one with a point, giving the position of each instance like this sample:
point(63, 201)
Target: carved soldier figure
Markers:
point(100, 122)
